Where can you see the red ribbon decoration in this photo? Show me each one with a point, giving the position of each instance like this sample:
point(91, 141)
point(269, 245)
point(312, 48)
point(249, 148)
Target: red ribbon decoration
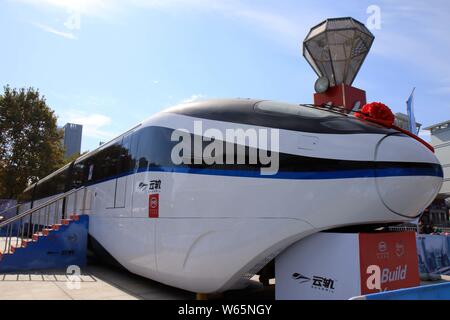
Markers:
point(380, 113)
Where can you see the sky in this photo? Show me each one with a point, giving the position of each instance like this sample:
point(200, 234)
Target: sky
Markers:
point(110, 64)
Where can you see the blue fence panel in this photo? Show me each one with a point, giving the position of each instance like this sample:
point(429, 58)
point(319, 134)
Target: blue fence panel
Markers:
point(434, 254)
point(439, 291)
point(64, 247)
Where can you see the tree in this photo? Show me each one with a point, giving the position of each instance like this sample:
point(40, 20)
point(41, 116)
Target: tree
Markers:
point(30, 141)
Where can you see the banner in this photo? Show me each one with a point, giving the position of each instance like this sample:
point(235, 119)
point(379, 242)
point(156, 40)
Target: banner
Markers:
point(434, 254)
point(394, 254)
point(410, 110)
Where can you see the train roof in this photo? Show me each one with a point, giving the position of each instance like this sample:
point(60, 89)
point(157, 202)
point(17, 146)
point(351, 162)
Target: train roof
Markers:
point(239, 110)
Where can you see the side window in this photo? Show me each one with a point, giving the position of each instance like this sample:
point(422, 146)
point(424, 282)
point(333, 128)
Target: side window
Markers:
point(90, 171)
point(60, 182)
point(77, 175)
point(45, 189)
point(134, 150)
point(143, 150)
point(106, 162)
point(126, 159)
point(101, 165)
point(26, 196)
point(161, 146)
point(154, 147)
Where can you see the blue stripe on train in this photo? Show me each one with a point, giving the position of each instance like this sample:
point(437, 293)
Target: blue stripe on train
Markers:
point(340, 174)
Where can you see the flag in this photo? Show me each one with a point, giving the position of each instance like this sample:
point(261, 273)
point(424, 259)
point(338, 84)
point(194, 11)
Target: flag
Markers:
point(410, 110)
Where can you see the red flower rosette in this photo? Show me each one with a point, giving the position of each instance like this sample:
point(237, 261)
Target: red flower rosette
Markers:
point(376, 112)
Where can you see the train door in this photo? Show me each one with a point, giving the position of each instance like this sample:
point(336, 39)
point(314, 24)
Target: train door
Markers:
point(115, 190)
point(144, 228)
point(143, 176)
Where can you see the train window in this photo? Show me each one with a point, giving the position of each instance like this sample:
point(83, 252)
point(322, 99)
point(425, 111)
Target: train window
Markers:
point(26, 196)
point(45, 189)
point(106, 162)
point(143, 150)
point(347, 124)
point(154, 147)
point(77, 175)
point(291, 109)
point(91, 171)
point(126, 159)
point(60, 181)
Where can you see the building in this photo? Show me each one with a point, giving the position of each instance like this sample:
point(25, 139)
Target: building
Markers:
point(438, 215)
point(402, 121)
point(72, 139)
point(440, 140)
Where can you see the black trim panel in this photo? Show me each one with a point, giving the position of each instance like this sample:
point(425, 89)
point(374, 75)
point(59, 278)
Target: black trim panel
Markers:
point(243, 111)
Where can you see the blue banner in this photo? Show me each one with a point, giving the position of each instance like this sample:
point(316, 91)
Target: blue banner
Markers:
point(410, 110)
point(434, 254)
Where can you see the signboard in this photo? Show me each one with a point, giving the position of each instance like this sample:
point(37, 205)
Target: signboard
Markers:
point(395, 254)
point(153, 205)
point(334, 266)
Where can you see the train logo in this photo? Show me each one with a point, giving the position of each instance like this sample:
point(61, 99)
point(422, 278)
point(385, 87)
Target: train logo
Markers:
point(153, 207)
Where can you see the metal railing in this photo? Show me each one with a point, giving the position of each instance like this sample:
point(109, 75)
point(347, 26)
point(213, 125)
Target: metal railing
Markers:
point(441, 229)
point(404, 228)
point(16, 231)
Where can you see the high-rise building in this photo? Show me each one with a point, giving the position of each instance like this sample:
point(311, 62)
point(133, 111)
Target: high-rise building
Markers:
point(72, 138)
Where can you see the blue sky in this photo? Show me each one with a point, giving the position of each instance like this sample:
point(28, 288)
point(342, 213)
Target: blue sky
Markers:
point(109, 64)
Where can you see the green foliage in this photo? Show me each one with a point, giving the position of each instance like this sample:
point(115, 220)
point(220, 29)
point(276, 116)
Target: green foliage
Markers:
point(30, 141)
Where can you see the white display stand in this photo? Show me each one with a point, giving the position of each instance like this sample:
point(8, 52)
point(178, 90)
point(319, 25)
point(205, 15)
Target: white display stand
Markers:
point(334, 266)
point(324, 266)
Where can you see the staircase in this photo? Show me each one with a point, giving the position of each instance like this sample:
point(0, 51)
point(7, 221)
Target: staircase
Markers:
point(46, 237)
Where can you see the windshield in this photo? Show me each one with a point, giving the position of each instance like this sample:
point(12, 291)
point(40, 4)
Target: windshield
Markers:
point(293, 109)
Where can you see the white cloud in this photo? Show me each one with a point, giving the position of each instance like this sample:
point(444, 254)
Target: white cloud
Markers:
point(67, 35)
point(93, 124)
point(86, 7)
point(194, 97)
point(280, 27)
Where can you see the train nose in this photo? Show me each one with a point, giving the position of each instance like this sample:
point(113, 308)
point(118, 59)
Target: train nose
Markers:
point(408, 175)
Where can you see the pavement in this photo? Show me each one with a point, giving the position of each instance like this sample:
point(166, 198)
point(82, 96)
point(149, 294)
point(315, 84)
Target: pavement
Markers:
point(99, 281)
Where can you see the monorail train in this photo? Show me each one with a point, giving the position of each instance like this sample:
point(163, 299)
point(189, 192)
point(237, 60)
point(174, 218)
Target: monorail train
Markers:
point(208, 227)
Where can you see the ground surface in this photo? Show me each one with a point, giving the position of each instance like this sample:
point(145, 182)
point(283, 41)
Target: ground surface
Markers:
point(102, 282)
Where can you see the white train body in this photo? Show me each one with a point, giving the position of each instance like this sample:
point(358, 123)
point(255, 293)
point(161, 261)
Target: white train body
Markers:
point(217, 225)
